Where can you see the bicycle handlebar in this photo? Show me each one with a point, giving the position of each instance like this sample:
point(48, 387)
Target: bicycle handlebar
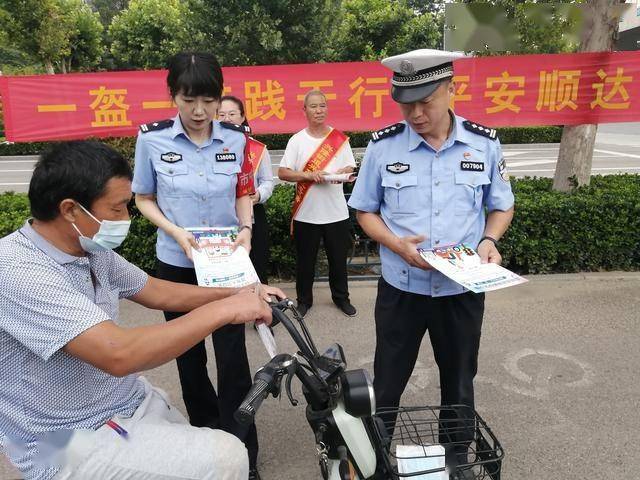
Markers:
point(246, 412)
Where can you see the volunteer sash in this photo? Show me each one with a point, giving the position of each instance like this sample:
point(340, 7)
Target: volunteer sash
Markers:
point(256, 151)
point(245, 185)
point(318, 160)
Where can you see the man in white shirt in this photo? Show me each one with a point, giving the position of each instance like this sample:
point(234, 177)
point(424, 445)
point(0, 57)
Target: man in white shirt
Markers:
point(320, 210)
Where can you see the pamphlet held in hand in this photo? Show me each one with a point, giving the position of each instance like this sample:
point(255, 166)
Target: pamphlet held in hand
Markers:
point(216, 263)
point(463, 265)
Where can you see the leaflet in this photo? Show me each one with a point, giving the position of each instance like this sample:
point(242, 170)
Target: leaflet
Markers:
point(339, 177)
point(463, 265)
point(420, 458)
point(217, 264)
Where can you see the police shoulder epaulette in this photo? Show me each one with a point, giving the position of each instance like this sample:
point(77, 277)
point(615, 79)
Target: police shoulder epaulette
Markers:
point(389, 131)
point(238, 128)
point(153, 126)
point(480, 129)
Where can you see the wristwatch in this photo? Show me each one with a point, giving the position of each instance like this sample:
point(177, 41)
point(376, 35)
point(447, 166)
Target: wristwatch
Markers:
point(491, 239)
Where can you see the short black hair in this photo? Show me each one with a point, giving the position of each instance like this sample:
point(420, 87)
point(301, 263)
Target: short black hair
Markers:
point(194, 74)
point(79, 170)
point(239, 104)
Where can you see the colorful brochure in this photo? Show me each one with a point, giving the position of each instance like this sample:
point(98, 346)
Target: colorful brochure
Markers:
point(217, 264)
point(463, 265)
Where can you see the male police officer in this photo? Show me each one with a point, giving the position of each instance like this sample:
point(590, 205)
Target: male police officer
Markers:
point(425, 183)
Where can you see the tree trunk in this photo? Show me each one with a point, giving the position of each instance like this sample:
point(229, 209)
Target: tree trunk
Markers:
point(48, 65)
point(576, 147)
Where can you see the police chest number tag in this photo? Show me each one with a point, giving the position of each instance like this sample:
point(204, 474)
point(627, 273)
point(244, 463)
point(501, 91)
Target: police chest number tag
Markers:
point(225, 157)
point(472, 166)
point(171, 157)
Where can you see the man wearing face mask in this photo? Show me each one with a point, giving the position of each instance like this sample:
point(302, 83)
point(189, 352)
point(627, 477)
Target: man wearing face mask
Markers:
point(71, 404)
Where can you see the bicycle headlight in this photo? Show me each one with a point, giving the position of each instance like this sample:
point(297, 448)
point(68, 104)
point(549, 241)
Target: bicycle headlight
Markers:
point(359, 398)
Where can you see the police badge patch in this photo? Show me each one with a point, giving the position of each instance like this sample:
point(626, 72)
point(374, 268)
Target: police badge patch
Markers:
point(171, 157)
point(398, 167)
point(502, 169)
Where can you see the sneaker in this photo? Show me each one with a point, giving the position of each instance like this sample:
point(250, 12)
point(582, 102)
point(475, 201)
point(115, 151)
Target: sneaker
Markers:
point(348, 309)
point(253, 474)
point(302, 309)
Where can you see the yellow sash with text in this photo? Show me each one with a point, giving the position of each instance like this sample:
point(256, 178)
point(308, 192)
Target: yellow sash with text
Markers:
point(318, 161)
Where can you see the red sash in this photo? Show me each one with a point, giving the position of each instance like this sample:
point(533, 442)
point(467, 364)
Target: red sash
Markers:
point(318, 160)
point(245, 185)
point(256, 152)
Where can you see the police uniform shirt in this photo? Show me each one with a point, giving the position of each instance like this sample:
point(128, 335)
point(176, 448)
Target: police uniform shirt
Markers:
point(195, 185)
point(441, 195)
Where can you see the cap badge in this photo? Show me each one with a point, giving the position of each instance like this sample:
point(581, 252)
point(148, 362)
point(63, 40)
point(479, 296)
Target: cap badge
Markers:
point(406, 68)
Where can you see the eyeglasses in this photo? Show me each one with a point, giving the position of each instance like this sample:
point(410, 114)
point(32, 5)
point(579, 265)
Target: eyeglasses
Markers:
point(229, 114)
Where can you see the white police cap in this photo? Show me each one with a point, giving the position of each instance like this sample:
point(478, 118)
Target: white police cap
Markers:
point(417, 74)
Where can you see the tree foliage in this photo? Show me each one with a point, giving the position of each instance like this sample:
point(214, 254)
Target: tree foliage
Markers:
point(62, 33)
point(147, 32)
point(260, 32)
point(371, 29)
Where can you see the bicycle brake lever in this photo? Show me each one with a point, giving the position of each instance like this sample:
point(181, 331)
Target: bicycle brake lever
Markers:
point(287, 385)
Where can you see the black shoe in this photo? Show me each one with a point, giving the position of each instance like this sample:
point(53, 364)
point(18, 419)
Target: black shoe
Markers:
point(348, 309)
point(253, 474)
point(302, 309)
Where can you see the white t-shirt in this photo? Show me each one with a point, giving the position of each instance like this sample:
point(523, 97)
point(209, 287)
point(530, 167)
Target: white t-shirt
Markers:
point(324, 202)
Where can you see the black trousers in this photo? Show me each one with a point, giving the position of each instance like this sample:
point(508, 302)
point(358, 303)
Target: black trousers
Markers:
point(205, 408)
point(335, 237)
point(260, 243)
point(453, 322)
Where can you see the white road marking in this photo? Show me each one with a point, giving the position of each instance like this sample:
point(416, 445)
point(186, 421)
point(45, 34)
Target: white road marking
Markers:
point(17, 161)
point(528, 163)
point(617, 154)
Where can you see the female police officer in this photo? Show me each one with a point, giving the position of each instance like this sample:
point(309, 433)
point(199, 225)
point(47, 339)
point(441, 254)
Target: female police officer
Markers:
point(189, 173)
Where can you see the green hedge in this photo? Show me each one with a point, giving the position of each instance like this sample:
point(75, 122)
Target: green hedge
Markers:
point(126, 145)
point(594, 228)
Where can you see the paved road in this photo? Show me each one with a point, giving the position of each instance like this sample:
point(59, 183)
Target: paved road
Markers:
point(616, 151)
point(558, 378)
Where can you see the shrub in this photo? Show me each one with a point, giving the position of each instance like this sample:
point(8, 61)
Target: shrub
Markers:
point(592, 229)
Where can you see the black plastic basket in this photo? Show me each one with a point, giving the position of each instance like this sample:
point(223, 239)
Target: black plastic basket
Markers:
point(471, 449)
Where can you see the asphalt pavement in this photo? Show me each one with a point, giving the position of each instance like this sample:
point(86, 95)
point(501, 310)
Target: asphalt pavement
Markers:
point(558, 380)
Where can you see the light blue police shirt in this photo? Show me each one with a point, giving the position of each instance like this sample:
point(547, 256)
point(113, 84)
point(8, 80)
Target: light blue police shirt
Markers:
point(439, 194)
point(195, 185)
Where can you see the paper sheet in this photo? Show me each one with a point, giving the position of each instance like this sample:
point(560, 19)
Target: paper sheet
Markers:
point(267, 339)
point(338, 177)
point(463, 265)
point(417, 458)
point(217, 264)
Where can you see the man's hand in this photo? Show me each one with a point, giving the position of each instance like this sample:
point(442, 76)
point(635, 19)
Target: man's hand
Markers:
point(186, 240)
point(247, 306)
point(407, 248)
point(315, 177)
point(489, 253)
point(244, 239)
point(255, 198)
point(269, 292)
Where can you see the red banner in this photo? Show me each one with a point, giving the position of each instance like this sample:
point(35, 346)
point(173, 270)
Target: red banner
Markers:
point(563, 89)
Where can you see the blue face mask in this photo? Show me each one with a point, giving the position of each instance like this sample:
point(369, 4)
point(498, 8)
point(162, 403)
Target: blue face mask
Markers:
point(110, 235)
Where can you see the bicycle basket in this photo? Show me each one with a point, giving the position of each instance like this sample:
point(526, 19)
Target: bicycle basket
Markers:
point(453, 439)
